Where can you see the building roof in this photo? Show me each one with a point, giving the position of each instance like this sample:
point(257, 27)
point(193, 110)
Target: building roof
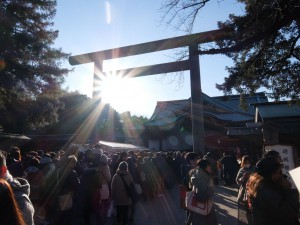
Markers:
point(233, 101)
point(14, 136)
point(278, 110)
point(234, 117)
point(224, 109)
point(167, 112)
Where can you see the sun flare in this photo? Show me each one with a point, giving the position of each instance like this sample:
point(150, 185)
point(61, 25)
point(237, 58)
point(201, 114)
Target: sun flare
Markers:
point(122, 93)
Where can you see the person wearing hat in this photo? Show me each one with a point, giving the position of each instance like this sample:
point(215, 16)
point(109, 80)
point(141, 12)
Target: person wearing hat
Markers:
point(271, 199)
point(104, 177)
point(119, 192)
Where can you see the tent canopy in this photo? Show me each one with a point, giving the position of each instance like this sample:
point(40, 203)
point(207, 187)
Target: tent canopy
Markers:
point(119, 147)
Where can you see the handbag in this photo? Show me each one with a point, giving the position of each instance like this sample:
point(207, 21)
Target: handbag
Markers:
point(192, 204)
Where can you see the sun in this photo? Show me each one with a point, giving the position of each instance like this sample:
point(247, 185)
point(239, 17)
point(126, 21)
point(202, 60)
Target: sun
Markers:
point(122, 93)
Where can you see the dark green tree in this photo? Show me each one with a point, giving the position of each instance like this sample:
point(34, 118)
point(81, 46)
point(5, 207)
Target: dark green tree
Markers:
point(263, 43)
point(30, 68)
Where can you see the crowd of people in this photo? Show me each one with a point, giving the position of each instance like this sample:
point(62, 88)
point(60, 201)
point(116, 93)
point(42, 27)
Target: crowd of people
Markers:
point(86, 188)
point(78, 188)
point(265, 193)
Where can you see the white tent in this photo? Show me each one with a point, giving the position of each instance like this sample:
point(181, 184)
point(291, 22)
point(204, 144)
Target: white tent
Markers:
point(119, 147)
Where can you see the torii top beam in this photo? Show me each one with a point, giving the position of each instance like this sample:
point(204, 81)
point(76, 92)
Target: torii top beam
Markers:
point(153, 46)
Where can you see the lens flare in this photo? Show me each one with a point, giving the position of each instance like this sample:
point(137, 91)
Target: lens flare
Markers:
point(108, 12)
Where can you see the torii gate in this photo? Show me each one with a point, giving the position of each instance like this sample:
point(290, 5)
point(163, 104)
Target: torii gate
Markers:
point(192, 41)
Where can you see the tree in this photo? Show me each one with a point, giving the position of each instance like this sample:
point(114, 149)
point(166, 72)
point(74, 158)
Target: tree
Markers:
point(29, 66)
point(263, 43)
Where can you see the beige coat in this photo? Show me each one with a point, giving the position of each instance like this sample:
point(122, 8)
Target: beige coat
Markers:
point(118, 190)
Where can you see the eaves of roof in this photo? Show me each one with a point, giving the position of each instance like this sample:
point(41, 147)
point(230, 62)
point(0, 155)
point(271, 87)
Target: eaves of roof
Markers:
point(267, 111)
point(231, 117)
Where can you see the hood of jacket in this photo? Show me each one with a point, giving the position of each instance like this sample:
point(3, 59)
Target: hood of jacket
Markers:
point(122, 172)
point(19, 185)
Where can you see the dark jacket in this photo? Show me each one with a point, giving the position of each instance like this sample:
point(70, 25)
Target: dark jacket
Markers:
point(274, 205)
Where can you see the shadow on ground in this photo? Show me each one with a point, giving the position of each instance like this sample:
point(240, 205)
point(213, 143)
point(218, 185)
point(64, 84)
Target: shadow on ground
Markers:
point(165, 210)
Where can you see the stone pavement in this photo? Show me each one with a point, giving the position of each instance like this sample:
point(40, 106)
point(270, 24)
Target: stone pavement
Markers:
point(165, 210)
point(226, 204)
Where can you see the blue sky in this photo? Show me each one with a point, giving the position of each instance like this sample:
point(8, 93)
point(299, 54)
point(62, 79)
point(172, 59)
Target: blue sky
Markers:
point(94, 25)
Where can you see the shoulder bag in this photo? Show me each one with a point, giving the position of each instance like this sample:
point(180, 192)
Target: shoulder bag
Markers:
point(131, 191)
point(192, 204)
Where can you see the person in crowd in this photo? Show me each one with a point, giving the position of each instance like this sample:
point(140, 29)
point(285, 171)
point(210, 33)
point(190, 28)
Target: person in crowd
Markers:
point(203, 185)
point(15, 165)
point(132, 168)
point(160, 172)
point(87, 160)
point(192, 159)
point(66, 184)
point(146, 168)
point(169, 175)
point(179, 161)
point(271, 199)
point(47, 182)
point(142, 177)
point(34, 176)
point(276, 155)
point(242, 177)
point(132, 156)
point(119, 192)
point(40, 153)
point(122, 157)
point(114, 164)
point(230, 167)
point(10, 213)
point(105, 180)
point(47, 166)
point(87, 198)
point(97, 150)
point(213, 162)
point(21, 190)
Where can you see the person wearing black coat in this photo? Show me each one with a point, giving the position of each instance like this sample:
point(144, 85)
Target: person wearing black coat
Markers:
point(272, 200)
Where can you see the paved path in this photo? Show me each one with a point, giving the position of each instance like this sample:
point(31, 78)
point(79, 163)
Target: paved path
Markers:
point(165, 210)
point(226, 205)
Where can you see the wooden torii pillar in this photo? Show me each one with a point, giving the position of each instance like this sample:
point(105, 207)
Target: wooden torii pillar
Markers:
point(192, 41)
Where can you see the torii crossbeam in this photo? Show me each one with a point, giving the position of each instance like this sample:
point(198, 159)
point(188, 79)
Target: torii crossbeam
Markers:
point(192, 41)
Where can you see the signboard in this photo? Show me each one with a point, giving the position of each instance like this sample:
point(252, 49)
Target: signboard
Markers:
point(295, 173)
point(286, 153)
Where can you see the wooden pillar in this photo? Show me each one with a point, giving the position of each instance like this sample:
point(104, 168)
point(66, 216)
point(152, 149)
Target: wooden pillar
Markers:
point(98, 74)
point(196, 101)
